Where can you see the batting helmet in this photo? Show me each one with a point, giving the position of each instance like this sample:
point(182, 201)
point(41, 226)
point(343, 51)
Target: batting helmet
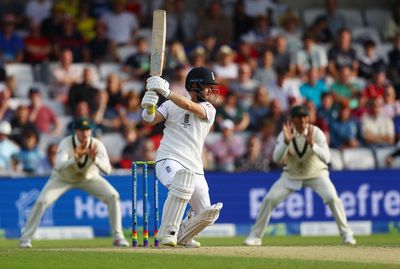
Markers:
point(199, 76)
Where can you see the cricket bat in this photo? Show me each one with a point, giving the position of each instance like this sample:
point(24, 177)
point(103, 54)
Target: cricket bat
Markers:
point(158, 37)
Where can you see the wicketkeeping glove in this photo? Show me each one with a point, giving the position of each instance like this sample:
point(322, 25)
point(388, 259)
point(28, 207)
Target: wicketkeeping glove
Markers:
point(159, 85)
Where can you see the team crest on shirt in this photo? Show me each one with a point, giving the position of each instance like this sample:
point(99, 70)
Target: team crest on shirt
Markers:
point(185, 122)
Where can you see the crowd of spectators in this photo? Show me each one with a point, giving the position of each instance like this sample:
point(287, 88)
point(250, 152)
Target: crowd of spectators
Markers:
point(91, 58)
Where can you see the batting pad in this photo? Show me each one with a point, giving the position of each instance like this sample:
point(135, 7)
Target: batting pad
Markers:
point(180, 192)
point(194, 225)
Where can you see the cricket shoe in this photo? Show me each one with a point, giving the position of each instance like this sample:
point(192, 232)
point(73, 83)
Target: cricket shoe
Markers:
point(169, 241)
point(191, 244)
point(25, 243)
point(120, 242)
point(252, 241)
point(349, 240)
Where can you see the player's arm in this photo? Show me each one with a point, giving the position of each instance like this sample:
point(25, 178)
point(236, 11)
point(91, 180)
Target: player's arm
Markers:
point(63, 159)
point(320, 146)
point(281, 149)
point(98, 154)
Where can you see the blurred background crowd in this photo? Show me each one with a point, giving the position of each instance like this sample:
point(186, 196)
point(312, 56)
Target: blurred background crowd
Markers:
point(64, 59)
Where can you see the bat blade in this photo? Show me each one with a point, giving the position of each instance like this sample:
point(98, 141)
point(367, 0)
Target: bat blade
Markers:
point(158, 37)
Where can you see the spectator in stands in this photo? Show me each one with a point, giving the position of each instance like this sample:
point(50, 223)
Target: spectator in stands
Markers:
point(7, 149)
point(82, 111)
point(343, 89)
point(391, 106)
point(176, 57)
point(121, 25)
point(181, 23)
point(377, 129)
point(64, 75)
point(392, 27)
point(48, 162)
point(242, 23)
point(362, 108)
point(30, 155)
point(394, 64)
point(232, 111)
point(216, 23)
point(284, 90)
point(46, 121)
point(6, 113)
point(197, 57)
point(71, 7)
point(244, 86)
point(138, 64)
point(320, 31)
point(378, 83)
point(267, 135)
point(314, 87)
point(13, 7)
point(314, 119)
point(369, 60)
point(210, 46)
point(20, 124)
point(132, 146)
point(390, 159)
point(252, 160)
point(11, 45)
point(265, 72)
point(84, 91)
point(100, 48)
point(327, 110)
point(69, 38)
point(85, 24)
point(344, 131)
point(52, 26)
point(131, 111)
point(282, 57)
point(38, 10)
point(310, 56)
point(37, 46)
point(99, 7)
point(228, 148)
point(259, 108)
point(291, 30)
point(276, 114)
point(178, 79)
point(342, 54)
point(246, 53)
point(111, 101)
point(225, 69)
point(335, 20)
point(262, 33)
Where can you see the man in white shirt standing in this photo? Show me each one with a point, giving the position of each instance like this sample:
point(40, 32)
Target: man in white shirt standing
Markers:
point(303, 149)
point(188, 119)
point(79, 161)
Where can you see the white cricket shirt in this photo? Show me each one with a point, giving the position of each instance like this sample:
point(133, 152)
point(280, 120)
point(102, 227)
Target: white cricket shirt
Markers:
point(184, 135)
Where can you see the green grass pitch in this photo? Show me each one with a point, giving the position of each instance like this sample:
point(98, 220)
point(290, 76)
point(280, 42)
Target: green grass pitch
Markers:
point(280, 252)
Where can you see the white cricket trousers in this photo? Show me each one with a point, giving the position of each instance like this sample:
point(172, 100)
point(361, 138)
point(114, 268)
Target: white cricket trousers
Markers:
point(279, 191)
point(166, 169)
point(99, 187)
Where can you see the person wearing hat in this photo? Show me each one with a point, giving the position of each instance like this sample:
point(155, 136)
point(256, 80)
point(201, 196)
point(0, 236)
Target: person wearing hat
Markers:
point(8, 149)
point(179, 166)
point(303, 150)
point(80, 161)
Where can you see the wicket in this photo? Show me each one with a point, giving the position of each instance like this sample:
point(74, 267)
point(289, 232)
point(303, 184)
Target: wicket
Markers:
point(144, 165)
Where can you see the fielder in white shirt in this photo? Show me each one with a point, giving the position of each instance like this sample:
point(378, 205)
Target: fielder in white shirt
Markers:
point(79, 161)
point(303, 149)
point(179, 166)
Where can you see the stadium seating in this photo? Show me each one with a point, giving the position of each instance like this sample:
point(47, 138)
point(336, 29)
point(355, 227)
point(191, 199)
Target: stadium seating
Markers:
point(353, 17)
point(114, 143)
point(377, 18)
point(358, 159)
point(336, 159)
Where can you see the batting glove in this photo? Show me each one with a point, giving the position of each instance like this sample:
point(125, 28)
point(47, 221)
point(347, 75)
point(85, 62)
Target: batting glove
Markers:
point(159, 85)
point(150, 99)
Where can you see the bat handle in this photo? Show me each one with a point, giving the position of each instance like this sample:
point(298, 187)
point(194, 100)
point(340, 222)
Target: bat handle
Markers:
point(152, 109)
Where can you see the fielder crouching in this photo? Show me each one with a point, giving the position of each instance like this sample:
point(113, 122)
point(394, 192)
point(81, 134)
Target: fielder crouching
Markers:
point(303, 149)
point(79, 161)
point(179, 166)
